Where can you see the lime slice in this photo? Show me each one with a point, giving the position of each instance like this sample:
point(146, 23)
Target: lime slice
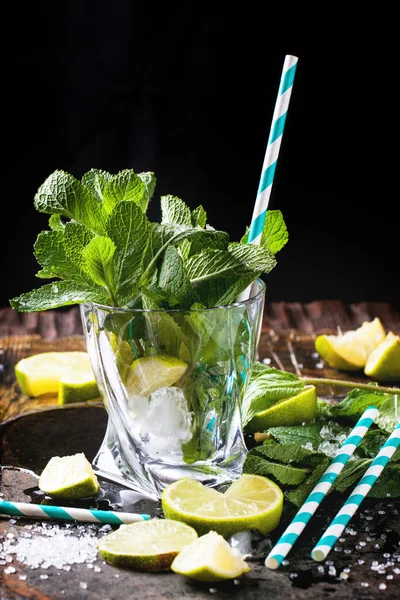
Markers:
point(69, 477)
point(251, 502)
point(146, 545)
point(210, 558)
point(149, 373)
point(67, 373)
point(383, 363)
point(298, 409)
point(349, 351)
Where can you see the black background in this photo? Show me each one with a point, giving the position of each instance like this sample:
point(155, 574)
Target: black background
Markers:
point(188, 91)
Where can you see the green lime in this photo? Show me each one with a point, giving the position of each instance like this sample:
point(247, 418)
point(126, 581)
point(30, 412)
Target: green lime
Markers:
point(383, 363)
point(68, 374)
point(298, 409)
point(69, 477)
point(251, 502)
point(210, 558)
point(146, 545)
point(349, 351)
point(149, 373)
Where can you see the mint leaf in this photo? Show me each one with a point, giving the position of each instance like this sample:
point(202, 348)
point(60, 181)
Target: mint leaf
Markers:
point(149, 181)
point(60, 293)
point(98, 255)
point(284, 474)
point(354, 404)
point(199, 217)
point(267, 387)
point(174, 281)
point(96, 181)
point(64, 195)
point(389, 414)
point(275, 234)
point(175, 212)
point(303, 435)
point(128, 227)
point(126, 185)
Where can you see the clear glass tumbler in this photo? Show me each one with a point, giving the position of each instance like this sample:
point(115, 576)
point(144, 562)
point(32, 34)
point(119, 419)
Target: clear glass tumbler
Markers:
point(172, 382)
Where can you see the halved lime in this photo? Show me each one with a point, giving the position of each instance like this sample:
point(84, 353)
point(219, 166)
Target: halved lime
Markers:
point(298, 409)
point(349, 351)
point(69, 477)
point(383, 363)
point(149, 373)
point(146, 545)
point(251, 502)
point(210, 558)
point(69, 374)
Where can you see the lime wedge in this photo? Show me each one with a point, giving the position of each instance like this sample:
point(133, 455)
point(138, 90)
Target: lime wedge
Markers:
point(349, 351)
point(383, 363)
point(210, 558)
point(149, 373)
point(69, 477)
point(298, 409)
point(251, 502)
point(146, 545)
point(68, 374)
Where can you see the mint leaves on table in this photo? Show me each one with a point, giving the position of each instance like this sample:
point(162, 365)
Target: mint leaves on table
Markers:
point(101, 247)
point(296, 457)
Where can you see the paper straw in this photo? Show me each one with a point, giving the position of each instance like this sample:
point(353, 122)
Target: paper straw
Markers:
point(43, 511)
point(304, 514)
point(272, 150)
point(331, 535)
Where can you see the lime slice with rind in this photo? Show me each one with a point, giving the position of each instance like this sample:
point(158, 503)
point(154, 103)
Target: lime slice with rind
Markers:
point(349, 351)
point(251, 502)
point(383, 363)
point(210, 558)
point(298, 409)
point(146, 545)
point(149, 373)
point(69, 477)
point(68, 374)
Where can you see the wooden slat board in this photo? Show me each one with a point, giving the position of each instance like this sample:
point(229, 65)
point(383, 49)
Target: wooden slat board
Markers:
point(34, 430)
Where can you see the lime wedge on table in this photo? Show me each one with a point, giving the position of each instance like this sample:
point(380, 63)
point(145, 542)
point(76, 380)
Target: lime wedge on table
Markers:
point(210, 558)
point(67, 373)
point(251, 502)
point(383, 363)
point(69, 477)
point(149, 373)
point(349, 351)
point(295, 410)
point(146, 545)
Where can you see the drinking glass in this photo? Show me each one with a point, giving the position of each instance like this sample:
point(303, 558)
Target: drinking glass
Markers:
point(172, 383)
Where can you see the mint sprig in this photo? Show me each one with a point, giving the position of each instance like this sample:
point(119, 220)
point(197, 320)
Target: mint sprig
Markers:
point(101, 247)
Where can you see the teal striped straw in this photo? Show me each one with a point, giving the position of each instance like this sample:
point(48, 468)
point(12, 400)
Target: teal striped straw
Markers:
point(334, 531)
point(304, 514)
point(43, 511)
point(272, 150)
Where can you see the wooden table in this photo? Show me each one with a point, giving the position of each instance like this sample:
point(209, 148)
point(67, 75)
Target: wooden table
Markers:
point(365, 565)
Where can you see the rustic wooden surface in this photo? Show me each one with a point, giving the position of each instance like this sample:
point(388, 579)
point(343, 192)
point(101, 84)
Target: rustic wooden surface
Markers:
point(33, 431)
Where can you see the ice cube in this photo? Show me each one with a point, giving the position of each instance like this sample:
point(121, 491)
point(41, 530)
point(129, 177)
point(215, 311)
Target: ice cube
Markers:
point(168, 415)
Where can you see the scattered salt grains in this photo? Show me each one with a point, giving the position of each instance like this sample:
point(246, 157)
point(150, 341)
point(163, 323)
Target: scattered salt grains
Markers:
point(51, 546)
point(9, 570)
point(382, 586)
point(364, 584)
point(83, 585)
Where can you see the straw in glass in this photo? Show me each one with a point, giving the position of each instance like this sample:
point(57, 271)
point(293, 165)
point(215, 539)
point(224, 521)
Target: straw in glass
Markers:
point(304, 514)
point(272, 150)
point(43, 511)
point(335, 529)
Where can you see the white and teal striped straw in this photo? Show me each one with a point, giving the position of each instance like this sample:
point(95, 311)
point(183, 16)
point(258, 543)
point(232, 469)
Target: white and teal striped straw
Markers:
point(272, 150)
point(335, 529)
point(43, 511)
point(304, 514)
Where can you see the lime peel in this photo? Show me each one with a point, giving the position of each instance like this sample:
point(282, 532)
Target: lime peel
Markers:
point(349, 351)
point(210, 558)
point(383, 363)
point(295, 410)
point(251, 502)
point(146, 545)
point(149, 373)
point(69, 477)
